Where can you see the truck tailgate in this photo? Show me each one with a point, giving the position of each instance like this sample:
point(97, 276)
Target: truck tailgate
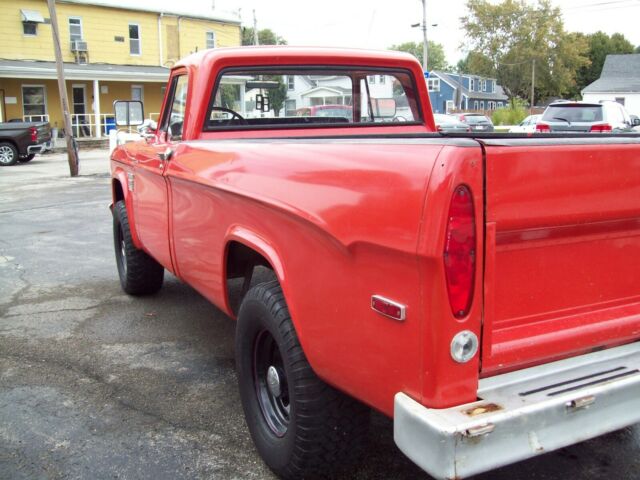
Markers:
point(562, 260)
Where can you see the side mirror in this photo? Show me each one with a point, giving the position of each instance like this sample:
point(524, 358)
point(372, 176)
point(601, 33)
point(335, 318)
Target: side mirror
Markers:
point(635, 121)
point(128, 113)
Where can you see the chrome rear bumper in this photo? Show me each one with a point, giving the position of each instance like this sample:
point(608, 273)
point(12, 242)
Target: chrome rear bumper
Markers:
point(524, 413)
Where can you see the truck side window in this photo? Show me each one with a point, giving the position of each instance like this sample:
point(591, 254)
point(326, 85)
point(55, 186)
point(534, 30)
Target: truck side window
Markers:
point(174, 119)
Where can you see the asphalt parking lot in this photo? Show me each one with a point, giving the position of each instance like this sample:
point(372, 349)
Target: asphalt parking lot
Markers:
point(95, 384)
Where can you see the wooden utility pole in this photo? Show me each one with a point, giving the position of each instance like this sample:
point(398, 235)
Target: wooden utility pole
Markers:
point(533, 84)
point(72, 154)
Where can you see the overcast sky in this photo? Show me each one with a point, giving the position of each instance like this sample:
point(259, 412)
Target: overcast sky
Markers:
point(382, 23)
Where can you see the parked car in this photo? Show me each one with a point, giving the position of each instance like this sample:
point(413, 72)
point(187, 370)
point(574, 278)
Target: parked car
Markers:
point(481, 293)
point(20, 141)
point(337, 111)
point(450, 124)
point(581, 117)
point(528, 125)
point(477, 121)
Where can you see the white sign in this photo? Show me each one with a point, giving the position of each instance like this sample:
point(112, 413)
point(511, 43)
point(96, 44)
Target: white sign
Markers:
point(10, 100)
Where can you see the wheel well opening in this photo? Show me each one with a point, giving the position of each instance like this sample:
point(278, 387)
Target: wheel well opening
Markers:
point(245, 268)
point(118, 193)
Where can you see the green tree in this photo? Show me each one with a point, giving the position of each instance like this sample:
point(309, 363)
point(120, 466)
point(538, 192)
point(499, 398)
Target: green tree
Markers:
point(515, 35)
point(476, 63)
point(436, 60)
point(266, 36)
point(277, 95)
point(638, 49)
point(599, 46)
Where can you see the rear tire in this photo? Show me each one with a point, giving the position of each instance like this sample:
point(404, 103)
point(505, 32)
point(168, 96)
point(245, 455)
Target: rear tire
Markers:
point(302, 427)
point(139, 273)
point(8, 154)
point(28, 158)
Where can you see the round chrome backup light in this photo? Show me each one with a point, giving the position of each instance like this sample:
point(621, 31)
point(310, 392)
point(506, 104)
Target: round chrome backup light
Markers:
point(464, 346)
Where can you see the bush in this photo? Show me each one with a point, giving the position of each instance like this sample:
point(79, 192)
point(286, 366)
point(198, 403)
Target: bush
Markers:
point(511, 115)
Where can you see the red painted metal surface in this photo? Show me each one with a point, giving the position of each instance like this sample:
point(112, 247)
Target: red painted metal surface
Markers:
point(563, 252)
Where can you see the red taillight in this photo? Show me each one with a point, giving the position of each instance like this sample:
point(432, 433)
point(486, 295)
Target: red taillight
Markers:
point(543, 128)
point(34, 134)
point(601, 128)
point(460, 251)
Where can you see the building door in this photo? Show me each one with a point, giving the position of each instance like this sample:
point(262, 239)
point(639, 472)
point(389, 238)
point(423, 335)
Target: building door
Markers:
point(80, 122)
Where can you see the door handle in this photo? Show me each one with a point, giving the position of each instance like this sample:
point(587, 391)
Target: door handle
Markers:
point(166, 155)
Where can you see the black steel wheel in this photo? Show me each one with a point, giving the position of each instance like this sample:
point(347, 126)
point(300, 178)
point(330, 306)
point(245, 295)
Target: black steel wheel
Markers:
point(139, 273)
point(301, 426)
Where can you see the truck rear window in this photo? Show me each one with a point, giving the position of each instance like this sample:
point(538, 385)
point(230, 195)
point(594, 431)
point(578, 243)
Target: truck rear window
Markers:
point(299, 97)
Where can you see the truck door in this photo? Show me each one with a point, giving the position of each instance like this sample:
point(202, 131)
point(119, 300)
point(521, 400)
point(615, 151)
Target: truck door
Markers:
point(151, 186)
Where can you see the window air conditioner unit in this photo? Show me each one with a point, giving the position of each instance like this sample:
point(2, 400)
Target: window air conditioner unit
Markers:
point(78, 46)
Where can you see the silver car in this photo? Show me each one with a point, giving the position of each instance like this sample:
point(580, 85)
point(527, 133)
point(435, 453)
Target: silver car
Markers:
point(585, 117)
point(450, 124)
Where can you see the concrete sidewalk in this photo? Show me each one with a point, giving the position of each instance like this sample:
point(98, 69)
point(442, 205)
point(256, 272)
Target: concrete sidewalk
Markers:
point(95, 384)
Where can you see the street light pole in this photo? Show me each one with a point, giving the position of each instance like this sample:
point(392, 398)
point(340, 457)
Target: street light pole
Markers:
point(425, 46)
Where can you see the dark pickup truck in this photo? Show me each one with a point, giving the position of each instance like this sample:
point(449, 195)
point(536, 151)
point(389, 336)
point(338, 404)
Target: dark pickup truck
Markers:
point(20, 141)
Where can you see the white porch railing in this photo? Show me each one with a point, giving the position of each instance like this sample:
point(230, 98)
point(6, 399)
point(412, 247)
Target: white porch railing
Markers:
point(83, 124)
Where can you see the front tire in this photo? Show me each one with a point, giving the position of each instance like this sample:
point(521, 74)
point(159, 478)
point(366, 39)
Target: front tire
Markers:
point(302, 427)
point(8, 154)
point(139, 273)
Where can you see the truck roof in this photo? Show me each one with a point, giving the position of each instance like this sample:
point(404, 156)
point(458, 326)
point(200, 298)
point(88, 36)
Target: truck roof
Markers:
point(283, 54)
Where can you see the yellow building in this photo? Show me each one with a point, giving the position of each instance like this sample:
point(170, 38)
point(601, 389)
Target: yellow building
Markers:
point(111, 52)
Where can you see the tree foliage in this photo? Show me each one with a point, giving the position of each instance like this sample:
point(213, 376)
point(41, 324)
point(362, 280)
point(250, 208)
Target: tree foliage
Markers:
point(266, 36)
point(436, 57)
point(507, 38)
point(599, 46)
point(278, 95)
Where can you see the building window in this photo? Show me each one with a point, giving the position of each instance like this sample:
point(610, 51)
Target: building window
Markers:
point(137, 92)
point(75, 29)
point(482, 105)
point(372, 79)
point(290, 108)
point(211, 39)
point(476, 105)
point(30, 21)
point(382, 79)
point(472, 84)
point(34, 101)
point(449, 106)
point(134, 39)
point(433, 84)
point(291, 82)
point(30, 29)
point(500, 105)
point(483, 85)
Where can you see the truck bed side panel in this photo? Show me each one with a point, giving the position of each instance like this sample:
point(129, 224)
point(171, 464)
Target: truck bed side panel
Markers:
point(344, 218)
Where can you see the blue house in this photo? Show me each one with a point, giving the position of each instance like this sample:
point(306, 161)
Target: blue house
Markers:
point(450, 91)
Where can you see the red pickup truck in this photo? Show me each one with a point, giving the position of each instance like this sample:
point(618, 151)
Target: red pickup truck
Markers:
point(481, 289)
